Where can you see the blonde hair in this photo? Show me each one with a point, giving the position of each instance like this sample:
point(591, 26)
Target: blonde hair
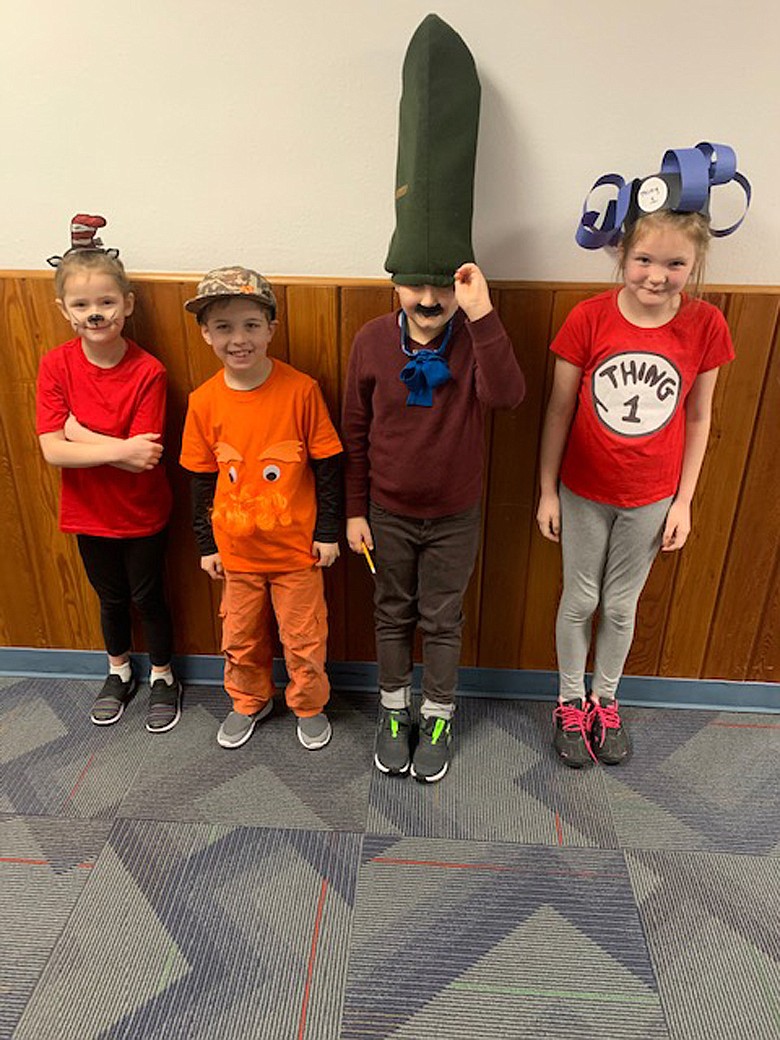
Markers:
point(91, 260)
point(695, 226)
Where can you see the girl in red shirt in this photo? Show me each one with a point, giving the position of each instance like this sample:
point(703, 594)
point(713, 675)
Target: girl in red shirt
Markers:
point(622, 447)
point(100, 418)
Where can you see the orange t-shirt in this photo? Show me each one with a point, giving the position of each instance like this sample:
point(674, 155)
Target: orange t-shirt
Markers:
point(260, 442)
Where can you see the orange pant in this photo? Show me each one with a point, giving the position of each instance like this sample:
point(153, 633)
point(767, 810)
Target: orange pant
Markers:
point(298, 600)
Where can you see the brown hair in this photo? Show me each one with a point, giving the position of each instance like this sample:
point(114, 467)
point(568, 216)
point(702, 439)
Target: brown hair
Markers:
point(203, 314)
point(694, 225)
point(91, 260)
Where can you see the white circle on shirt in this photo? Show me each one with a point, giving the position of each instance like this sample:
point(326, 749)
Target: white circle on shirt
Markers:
point(635, 393)
point(652, 194)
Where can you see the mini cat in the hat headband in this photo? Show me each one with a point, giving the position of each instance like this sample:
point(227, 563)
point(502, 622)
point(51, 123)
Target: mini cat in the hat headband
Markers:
point(682, 186)
point(83, 235)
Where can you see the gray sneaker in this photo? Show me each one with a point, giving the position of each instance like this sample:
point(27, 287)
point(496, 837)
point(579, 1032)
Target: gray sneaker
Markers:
point(391, 749)
point(110, 703)
point(237, 728)
point(432, 755)
point(314, 732)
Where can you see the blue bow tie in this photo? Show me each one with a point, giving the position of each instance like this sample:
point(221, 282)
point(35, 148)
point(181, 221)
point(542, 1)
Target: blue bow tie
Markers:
point(425, 370)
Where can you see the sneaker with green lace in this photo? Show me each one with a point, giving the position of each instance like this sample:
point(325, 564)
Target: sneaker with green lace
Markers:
point(432, 754)
point(391, 751)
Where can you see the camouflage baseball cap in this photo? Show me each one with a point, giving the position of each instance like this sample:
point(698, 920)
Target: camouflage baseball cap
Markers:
point(225, 282)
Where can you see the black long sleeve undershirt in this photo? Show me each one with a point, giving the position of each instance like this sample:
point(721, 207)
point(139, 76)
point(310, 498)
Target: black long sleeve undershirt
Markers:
point(202, 488)
point(329, 489)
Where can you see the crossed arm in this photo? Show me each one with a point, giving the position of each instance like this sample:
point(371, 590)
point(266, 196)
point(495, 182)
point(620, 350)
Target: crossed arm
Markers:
point(77, 447)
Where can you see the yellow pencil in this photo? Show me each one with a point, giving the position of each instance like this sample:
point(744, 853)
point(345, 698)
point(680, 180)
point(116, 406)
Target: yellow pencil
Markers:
point(367, 555)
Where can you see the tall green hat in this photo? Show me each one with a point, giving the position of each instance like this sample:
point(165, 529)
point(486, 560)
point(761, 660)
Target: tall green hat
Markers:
point(437, 147)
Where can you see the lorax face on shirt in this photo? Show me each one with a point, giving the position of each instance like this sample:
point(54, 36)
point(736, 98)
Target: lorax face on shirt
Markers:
point(239, 332)
point(428, 308)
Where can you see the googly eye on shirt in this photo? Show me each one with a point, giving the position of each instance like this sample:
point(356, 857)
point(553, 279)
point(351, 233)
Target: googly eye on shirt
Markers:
point(271, 473)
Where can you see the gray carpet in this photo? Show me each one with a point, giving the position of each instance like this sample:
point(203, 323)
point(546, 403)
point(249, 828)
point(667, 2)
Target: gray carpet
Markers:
point(158, 886)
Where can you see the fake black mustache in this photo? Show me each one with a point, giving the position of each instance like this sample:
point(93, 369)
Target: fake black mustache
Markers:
point(429, 312)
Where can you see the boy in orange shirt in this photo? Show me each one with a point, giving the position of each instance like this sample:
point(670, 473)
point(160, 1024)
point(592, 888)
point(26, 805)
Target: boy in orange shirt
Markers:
point(265, 463)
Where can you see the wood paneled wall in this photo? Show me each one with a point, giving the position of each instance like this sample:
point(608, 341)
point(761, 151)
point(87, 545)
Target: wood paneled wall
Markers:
point(712, 610)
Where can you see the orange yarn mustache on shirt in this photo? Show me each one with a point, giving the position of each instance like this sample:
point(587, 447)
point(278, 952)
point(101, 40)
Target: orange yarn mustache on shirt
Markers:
point(241, 512)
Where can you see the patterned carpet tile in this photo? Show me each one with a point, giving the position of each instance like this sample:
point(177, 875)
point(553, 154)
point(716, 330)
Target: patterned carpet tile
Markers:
point(713, 927)
point(44, 866)
point(463, 940)
point(198, 931)
point(699, 780)
point(505, 784)
point(55, 761)
point(271, 781)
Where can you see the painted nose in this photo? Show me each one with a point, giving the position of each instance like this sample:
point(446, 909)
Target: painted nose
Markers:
point(95, 319)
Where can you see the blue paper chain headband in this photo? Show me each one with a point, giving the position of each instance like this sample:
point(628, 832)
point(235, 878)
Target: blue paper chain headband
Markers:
point(682, 186)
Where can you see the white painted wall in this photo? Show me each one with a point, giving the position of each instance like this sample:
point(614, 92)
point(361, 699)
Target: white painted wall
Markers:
point(264, 133)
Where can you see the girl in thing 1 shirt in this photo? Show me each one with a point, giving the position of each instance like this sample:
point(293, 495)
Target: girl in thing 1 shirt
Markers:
point(623, 443)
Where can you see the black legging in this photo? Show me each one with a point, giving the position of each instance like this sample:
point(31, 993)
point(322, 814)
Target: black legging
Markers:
point(124, 571)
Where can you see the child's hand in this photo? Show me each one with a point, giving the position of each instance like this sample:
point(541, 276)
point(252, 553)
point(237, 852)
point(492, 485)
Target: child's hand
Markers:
point(142, 451)
point(471, 292)
point(212, 565)
point(548, 517)
point(326, 552)
point(678, 527)
point(359, 532)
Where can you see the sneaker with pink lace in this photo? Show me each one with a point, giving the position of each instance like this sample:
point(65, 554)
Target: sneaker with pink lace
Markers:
point(572, 730)
point(607, 735)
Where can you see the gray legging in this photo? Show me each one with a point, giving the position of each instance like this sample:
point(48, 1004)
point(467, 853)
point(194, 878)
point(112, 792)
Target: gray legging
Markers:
point(607, 556)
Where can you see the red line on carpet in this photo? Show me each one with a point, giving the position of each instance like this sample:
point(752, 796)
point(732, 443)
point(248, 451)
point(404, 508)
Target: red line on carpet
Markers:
point(39, 862)
point(312, 957)
point(80, 777)
point(438, 863)
point(559, 828)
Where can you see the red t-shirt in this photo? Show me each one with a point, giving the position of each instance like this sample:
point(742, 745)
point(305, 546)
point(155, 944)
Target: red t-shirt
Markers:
point(260, 442)
point(625, 447)
point(118, 402)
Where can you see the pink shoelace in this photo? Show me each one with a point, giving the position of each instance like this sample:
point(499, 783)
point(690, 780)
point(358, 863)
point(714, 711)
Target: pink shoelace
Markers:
point(607, 715)
point(575, 720)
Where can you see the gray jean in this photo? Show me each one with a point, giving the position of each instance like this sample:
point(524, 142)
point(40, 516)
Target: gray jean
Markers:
point(422, 571)
point(607, 556)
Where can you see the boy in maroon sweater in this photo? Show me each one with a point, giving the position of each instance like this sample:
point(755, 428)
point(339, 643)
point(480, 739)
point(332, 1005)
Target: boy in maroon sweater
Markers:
point(414, 446)
point(418, 384)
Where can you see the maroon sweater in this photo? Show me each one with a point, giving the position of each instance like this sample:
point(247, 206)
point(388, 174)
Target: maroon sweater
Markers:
point(416, 461)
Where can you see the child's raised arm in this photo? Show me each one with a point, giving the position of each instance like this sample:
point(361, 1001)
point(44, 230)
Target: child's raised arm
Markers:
point(471, 292)
point(560, 409)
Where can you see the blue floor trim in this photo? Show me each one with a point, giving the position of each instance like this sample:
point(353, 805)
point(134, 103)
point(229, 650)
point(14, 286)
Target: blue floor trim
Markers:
point(205, 669)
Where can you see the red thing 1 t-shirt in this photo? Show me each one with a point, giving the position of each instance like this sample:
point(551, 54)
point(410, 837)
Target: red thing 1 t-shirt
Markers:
point(625, 446)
